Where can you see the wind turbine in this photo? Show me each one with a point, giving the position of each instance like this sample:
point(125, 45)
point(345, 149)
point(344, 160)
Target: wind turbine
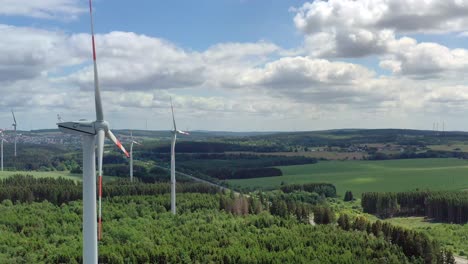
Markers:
point(131, 155)
point(173, 179)
point(14, 127)
point(93, 134)
point(2, 139)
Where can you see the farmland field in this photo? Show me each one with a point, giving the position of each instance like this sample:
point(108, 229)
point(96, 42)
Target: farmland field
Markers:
point(379, 176)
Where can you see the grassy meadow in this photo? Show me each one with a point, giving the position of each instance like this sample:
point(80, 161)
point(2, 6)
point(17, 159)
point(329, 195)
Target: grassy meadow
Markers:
point(379, 176)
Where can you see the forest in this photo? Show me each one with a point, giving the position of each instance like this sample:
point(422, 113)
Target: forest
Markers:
point(441, 206)
point(138, 230)
point(27, 189)
point(414, 244)
point(326, 189)
point(211, 226)
point(210, 166)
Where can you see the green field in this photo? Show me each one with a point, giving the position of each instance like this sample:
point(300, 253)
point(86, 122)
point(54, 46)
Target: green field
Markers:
point(51, 174)
point(379, 176)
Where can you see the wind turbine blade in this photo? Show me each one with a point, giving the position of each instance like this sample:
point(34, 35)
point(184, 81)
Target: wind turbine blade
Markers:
point(183, 132)
point(112, 137)
point(173, 118)
point(14, 119)
point(97, 93)
point(138, 143)
point(100, 151)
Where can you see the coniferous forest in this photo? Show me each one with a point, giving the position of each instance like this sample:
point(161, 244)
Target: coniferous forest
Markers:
point(210, 227)
point(449, 207)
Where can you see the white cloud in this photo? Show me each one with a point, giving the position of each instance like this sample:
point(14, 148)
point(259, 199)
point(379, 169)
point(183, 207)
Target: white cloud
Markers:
point(45, 9)
point(138, 62)
point(319, 81)
point(139, 72)
point(27, 53)
point(361, 28)
point(233, 83)
point(425, 60)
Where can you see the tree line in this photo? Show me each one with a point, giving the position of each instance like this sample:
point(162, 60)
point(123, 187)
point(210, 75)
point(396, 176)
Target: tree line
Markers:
point(136, 229)
point(301, 205)
point(277, 223)
point(237, 166)
point(430, 154)
point(444, 206)
point(448, 206)
point(233, 173)
point(219, 166)
point(209, 147)
point(326, 189)
point(20, 188)
point(415, 245)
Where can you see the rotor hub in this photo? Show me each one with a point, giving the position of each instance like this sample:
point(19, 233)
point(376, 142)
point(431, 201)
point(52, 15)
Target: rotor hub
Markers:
point(101, 125)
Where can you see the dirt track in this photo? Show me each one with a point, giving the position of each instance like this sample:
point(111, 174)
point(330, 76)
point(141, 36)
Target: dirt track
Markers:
point(460, 260)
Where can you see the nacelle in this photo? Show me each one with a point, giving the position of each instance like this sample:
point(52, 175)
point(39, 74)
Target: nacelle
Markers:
point(78, 127)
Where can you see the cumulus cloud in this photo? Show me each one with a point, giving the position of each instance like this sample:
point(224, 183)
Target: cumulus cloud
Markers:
point(138, 62)
point(141, 72)
point(425, 60)
point(45, 9)
point(361, 28)
point(44, 69)
point(320, 81)
point(27, 53)
point(127, 60)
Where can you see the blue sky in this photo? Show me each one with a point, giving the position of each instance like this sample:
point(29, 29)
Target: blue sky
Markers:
point(191, 24)
point(239, 65)
point(200, 24)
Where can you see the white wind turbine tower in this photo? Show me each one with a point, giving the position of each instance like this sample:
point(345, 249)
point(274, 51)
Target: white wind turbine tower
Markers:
point(93, 134)
point(131, 155)
point(2, 139)
point(14, 127)
point(173, 179)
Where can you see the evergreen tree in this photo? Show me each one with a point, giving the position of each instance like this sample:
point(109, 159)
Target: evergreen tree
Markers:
point(348, 196)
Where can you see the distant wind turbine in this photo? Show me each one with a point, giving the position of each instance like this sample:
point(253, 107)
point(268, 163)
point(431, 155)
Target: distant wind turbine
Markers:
point(131, 155)
point(14, 127)
point(2, 139)
point(173, 179)
point(93, 134)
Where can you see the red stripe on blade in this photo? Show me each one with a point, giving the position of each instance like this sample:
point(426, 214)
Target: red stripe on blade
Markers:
point(100, 217)
point(122, 148)
point(94, 50)
point(100, 186)
point(100, 229)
